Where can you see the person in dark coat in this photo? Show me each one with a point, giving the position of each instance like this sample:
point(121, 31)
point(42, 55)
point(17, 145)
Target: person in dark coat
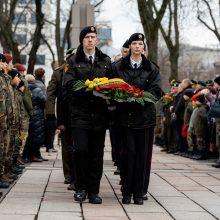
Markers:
point(36, 133)
point(136, 121)
point(87, 115)
point(179, 109)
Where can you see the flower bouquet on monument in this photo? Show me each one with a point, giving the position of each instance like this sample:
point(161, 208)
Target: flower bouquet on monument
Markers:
point(115, 89)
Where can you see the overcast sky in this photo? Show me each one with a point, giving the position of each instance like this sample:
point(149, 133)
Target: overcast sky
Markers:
point(124, 20)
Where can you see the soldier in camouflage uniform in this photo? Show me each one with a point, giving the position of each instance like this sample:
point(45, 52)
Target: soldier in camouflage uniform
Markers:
point(22, 125)
point(13, 121)
point(26, 108)
point(3, 125)
point(14, 150)
point(198, 127)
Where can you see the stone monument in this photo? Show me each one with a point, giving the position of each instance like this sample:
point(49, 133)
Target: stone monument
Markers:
point(82, 15)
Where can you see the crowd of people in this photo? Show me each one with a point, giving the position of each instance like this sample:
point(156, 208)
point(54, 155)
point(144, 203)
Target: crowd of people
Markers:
point(189, 119)
point(30, 115)
point(23, 124)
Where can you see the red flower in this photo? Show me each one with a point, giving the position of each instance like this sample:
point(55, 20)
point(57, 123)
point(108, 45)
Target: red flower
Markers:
point(139, 92)
point(133, 89)
point(124, 87)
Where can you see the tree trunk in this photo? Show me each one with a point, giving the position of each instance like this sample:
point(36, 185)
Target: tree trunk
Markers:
point(172, 41)
point(150, 24)
point(60, 50)
point(152, 42)
point(174, 56)
point(6, 34)
point(37, 37)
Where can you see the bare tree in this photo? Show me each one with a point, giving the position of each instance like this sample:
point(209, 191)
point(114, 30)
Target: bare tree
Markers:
point(151, 21)
point(171, 37)
point(7, 11)
point(208, 14)
point(9, 26)
point(37, 36)
point(62, 41)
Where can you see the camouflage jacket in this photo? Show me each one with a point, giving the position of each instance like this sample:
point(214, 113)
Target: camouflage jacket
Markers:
point(9, 98)
point(3, 111)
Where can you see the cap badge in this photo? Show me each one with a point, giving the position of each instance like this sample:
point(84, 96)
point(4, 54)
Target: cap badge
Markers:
point(140, 36)
point(92, 29)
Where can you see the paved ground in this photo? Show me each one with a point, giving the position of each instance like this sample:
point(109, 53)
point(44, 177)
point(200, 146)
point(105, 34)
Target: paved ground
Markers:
point(180, 189)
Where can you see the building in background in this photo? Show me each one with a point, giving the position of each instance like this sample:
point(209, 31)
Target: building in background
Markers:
point(82, 15)
point(104, 32)
point(198, 63)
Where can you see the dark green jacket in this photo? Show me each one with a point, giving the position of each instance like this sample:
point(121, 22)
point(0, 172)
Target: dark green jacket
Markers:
point(53, 92)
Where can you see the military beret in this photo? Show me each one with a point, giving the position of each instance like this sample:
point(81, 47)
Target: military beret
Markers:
point(201, 83)
point(2, 58)
point(125, 45)
point(136, 37)
point(217, 80)
point(8, 57)
point(85, 31)
point(13, 73)
point(209, 82)
point(19, 67)
point(200, 98)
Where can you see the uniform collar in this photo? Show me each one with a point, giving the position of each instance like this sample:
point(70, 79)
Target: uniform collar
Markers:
point(135, 62)
point(90, 55)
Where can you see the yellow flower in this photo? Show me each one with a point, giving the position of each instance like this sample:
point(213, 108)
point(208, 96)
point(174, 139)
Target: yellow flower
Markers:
point(91, 86)
point(116, 80)
point(96, 80)
point(104, 79)
point(87, 82)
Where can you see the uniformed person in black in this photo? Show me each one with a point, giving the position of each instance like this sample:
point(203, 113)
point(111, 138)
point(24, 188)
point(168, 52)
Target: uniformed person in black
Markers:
point(87, 115)
point(136, 121)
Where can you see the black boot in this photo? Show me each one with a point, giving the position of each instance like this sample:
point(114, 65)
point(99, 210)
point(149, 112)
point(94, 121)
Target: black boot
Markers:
point(126, 199)
point(95, 199)
point(80, 195)
point(3, 184)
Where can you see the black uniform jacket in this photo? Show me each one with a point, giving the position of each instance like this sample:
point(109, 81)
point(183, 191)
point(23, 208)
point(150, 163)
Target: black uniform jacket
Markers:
point(147, 78)
point(83, 109)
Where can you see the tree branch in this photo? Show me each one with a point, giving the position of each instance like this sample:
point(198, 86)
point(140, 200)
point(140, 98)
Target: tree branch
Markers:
point(25, 45)
point(99, 3)
point(49, 47)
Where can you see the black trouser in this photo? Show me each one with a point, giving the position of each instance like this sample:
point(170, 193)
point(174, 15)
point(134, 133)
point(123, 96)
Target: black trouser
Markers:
point(88, 158)
point(67, 155)
point(149, 158)
point(112, 133)
point(136, 149)
point(181, 142)
point(115, 137)
point(50, 129)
